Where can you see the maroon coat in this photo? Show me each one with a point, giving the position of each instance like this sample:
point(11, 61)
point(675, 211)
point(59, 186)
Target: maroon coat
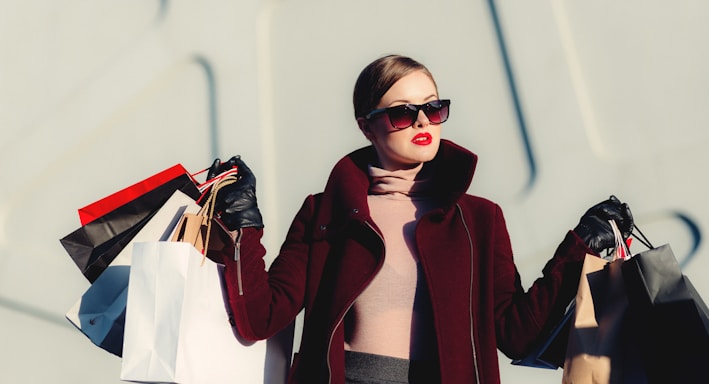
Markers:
point(333, 249)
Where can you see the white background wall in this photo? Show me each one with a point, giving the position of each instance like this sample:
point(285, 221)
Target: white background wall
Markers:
point(95, 95)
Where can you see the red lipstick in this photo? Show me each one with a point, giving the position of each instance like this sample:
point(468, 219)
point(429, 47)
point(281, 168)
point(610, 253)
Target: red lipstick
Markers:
point(423, 138)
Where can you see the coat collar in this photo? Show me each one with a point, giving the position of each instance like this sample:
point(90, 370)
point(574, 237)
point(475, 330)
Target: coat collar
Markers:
point(347, 187)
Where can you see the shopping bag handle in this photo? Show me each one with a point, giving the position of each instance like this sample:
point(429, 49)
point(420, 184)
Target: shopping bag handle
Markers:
point(204, 187)
point(642, 238)
point(209, 205)
point(621, 250)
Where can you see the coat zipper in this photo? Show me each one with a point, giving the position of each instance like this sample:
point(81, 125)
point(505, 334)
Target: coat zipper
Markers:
point(342, 317)
point(470, 309)
point(237, 259)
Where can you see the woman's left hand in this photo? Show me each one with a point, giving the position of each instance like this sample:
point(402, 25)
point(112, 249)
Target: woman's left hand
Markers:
point(594, 228)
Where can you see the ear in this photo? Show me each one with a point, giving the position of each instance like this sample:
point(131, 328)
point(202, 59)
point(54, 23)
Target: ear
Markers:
point(365, 127)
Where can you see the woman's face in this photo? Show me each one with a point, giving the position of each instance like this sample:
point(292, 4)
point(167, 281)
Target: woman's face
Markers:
point(404, 148)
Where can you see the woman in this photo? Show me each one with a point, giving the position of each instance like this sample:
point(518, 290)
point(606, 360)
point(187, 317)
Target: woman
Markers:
point(402, 275)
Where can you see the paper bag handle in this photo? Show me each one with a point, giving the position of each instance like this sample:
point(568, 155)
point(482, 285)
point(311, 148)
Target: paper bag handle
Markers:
point(210, 204)
point(621, 248)
point(206, 212)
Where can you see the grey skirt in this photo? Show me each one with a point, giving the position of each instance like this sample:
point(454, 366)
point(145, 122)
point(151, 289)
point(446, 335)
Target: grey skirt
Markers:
point(366, 368)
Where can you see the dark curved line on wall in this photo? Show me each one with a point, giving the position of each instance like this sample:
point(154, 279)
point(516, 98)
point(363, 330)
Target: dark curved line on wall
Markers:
point(162, 11)
point(212, 105)
point(515, 98)
point(163, 7)
point(696, 237)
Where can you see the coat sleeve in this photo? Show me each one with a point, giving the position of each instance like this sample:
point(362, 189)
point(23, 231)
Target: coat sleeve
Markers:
point(521, 316)
point(262, 301)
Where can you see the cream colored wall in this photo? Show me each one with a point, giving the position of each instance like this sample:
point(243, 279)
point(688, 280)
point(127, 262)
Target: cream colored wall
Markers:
point(95, 95)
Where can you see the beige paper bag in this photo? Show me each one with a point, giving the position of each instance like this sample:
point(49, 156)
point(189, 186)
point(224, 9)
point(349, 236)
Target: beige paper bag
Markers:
point(593, 354)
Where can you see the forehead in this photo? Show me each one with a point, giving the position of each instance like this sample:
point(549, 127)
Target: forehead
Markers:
point(416, 87)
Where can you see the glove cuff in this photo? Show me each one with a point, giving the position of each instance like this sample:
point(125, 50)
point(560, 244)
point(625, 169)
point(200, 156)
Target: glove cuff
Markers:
point(584, 232)
point(249, 218)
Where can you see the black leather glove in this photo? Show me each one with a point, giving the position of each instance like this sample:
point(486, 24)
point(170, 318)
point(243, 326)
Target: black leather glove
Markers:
point(594, 228)
point(236, 203)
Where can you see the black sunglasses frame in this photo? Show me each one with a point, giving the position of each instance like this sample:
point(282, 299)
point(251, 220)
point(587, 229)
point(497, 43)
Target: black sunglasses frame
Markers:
point(428, 108)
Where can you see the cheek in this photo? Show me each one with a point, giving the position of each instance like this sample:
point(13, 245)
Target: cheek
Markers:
point(436, 131)
point(377, 131)
point(396, 142)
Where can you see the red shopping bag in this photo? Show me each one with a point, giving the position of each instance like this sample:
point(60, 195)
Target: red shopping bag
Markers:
point(109, 203)
point(95, 244)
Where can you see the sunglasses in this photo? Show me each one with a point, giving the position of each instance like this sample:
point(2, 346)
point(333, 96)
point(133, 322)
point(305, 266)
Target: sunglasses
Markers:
point(405, 115)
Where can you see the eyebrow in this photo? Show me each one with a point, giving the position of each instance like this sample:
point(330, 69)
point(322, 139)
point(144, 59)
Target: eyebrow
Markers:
point(426, 99)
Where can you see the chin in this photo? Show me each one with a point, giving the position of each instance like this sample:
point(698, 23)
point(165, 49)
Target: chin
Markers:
point(429, 152)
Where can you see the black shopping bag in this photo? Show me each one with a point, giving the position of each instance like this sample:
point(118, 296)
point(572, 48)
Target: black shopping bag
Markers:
point(551, 351)
point(669, 317)
point(94, 245)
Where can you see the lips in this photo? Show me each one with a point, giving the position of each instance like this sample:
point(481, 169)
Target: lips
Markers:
point(422, 139)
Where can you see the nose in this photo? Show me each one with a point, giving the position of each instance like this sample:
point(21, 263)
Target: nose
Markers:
point(421, 120)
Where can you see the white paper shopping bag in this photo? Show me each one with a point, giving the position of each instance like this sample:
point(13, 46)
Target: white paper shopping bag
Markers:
point(100, 311)
point(177, 322)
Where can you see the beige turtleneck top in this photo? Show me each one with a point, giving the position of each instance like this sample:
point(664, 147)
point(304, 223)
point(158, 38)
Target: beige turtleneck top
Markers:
point(392, 317)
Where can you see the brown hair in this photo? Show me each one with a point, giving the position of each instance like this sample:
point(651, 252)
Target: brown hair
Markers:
point(377, 77)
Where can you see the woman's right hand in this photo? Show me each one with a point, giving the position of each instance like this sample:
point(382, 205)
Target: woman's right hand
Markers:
point(236, 203)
